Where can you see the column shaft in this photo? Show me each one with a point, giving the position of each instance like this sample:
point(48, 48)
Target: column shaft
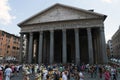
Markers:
point(64, 53)
point(90, 46)
point(27, 48)
point(30, 48)
point(96, 53)
point(21, 48)
point(51, 46)
point(77, 52)
point(103, 45)
point(40, 47)
point(98, 50)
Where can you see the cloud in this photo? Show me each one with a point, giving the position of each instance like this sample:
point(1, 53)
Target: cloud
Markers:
point(108, 1)
point(5, 16)
point(108, 37)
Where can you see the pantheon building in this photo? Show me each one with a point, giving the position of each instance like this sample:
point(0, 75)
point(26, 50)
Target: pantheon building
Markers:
point(64, 34)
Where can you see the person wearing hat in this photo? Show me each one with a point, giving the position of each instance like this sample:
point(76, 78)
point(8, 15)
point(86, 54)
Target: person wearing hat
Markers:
point(1, 74)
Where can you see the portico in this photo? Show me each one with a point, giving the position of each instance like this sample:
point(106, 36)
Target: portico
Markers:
point(64, 34)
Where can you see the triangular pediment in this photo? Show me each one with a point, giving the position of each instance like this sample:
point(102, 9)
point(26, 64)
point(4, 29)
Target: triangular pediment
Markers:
point(61, 12)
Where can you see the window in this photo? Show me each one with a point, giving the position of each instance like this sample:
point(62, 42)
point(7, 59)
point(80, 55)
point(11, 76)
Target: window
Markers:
point(8, 46)
point(0, 50)
point(17, 48)
point(2, 33)
point(14, 47)
point(8, 36)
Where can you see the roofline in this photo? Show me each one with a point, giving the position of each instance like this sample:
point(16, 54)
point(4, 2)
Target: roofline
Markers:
point(87, 11)
point(59, 21)
point(114, 35)
point(10, 34)
point(35, 15)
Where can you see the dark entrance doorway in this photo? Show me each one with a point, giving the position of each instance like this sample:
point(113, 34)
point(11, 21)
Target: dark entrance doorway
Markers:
point(69, 54)
point(58, 46)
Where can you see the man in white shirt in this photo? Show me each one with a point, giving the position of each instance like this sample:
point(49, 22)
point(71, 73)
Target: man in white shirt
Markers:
point(64, 75)
point(8, 72)
point(81, 76)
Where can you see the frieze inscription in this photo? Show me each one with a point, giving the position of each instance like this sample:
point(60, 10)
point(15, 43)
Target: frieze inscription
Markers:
point(61, 25)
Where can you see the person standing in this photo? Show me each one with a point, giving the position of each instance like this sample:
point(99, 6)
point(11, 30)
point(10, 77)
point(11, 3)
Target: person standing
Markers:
point(8, 72)
point(113, 73)
point(100, 71)
point(107, 75)
point(81, 76)
point(26, 77)
point(1, 74)
point(64, 76)
point(38, 76)
point(45, 74)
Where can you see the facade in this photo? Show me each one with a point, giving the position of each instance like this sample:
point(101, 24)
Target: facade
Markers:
point(9, 45)
point(109, 47)
point(64, 34)
point(24, 48)
point(116, 43)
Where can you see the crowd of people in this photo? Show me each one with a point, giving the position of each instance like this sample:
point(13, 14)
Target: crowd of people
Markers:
point(59, 71)
point(8, 70)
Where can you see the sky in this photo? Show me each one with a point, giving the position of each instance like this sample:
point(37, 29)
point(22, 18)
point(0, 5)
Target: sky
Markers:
point(13, 12)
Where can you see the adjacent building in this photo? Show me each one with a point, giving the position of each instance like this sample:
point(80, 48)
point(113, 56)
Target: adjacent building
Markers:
point(24, 49)
point(109, 48)
point(9, 46)
point(64, 34)
point(116, 43)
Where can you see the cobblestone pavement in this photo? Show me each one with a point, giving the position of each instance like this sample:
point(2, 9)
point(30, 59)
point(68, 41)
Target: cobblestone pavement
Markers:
point(87, 77)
